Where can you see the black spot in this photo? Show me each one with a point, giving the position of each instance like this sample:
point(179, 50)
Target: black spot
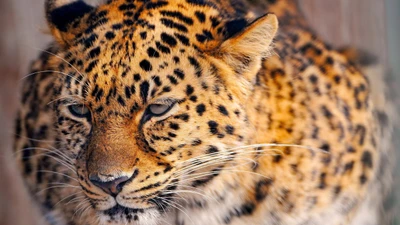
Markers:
point(100, 109)
point(125, 7)
point(155, 5)
point(171, 24)
point(351, 149)
point(196, 142)
point(214, 21)
point(322, 182)
point(171, 41)
point(151, 52)
point(179, 73)
point(91, 66)
point(166, 89)
point(366, 159)
point(205, 36)
point(229, 129)
point(174, 126)
point(88, 42)
point(99, 94)
point(337, 190)
point(134, 108)
point(200, 38)
point(363, 179)
point(326, 112)
point(247, 208)
point(223, 110)
point(144, 90)
point(213, 126)
point(136, 77)
point(325, 147)
point(184, 117)
point(117, 26)
point(172, 79)
point(277, 158)
point(172, 135)
point(197, 2)
point(200, 16)
point(329, 60)
point(189, 89)
point(361, 131)
point(337, 79)
point(121, 101)
point(157, 80)
point(143, 35)
point(193, 98)
point(200, 109)
point(261, 189)
point(163, 48)
point(128, 22)
point(348, 167)
point(196, 65)
point(183, 39)
point(95, 90)
point(146, 65)
point(110, 35)
point(94, 52)
point(212, 149)
point(178, 15)
point(313, 78)
point(127, 92)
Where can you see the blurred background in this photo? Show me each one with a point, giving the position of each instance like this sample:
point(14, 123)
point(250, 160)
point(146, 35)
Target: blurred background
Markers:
point(370, 25)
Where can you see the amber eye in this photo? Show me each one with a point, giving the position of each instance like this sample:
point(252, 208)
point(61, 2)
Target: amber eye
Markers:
point(79, 110)
point(159, 109)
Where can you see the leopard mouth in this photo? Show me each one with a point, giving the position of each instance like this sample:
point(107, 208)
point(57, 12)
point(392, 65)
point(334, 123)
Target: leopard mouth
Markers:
point(157, 204)
point(119, 209)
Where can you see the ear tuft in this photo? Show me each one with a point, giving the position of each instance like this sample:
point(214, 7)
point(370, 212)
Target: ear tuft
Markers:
point(255, 40)
point(61, 13)
point(245, 50)
point(63, 16)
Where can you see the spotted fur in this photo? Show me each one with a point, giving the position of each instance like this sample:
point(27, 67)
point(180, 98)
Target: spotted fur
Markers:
point(258, 127)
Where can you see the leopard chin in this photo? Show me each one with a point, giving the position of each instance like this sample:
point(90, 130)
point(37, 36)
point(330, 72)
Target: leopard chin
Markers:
point(120, 215)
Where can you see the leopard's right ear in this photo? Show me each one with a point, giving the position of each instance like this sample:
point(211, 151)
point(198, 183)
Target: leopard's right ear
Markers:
point(63, 18)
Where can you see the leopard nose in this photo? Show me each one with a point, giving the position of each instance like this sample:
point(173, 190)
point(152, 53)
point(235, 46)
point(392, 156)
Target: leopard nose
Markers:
point(112, 187)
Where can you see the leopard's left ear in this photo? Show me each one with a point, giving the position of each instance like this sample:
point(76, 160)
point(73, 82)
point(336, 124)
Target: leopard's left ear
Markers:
point(245, 50)
point(63, 18)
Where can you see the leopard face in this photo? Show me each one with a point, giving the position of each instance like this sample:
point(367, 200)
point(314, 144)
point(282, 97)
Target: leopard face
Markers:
point(149, 93)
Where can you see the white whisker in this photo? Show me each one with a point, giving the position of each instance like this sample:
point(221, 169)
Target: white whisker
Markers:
point(62, 174)
point(62, 60)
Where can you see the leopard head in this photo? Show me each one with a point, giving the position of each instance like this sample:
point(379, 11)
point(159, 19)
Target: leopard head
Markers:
point(153, 98)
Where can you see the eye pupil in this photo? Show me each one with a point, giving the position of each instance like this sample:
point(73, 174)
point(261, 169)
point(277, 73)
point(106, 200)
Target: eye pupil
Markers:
point(79, 110)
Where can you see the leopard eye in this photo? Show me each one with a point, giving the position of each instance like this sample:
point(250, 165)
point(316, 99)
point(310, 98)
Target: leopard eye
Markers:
point(159, 109)
point(79, 110)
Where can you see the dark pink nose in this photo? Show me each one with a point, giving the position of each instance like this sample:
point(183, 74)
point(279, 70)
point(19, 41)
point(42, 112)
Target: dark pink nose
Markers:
point(112, 187)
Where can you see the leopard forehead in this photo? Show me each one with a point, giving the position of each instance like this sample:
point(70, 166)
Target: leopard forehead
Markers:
point(127, 50)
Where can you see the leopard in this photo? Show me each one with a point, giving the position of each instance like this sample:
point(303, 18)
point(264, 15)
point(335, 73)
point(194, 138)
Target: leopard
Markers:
point(149, 112)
